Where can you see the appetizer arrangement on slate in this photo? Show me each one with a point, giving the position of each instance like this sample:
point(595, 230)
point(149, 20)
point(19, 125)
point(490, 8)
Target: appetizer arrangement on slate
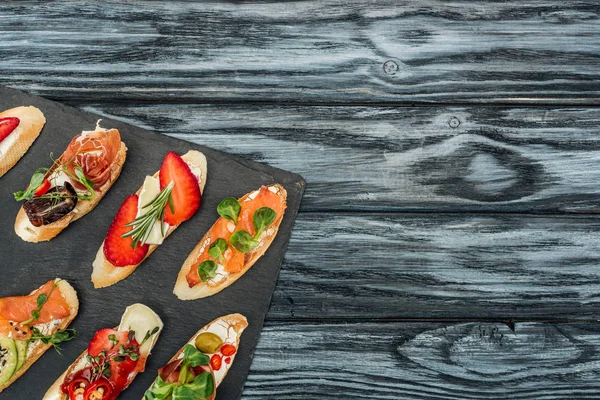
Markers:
point(30, 325)
point(145, 219)
point(233, 244)
point(72, 187)
point(19, 127)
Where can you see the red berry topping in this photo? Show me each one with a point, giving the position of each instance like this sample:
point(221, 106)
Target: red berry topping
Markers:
point(186, 192)
point(118, 250)
point(7, 125)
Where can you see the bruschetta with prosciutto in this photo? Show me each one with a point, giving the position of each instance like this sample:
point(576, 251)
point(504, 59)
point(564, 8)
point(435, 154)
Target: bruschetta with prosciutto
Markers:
point(200, 366)
point(31, 324)
point(72, 186)
point(112, 359)
point(244, 231)
point(165, 200)
point(19, 127)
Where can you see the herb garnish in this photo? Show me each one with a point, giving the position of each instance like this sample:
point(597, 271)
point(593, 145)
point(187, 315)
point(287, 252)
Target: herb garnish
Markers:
point(229, 208)
point(142, 225)
point(207, 270)
point(244, 241)
point(40, 301)
point(55, 339)
point(187, 386)
point(36, 180)
point(217, 249)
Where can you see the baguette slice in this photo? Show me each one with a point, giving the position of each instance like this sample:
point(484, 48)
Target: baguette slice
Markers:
point(30, 233)
point(15, 145)
point(104, 272)
point(55, 392)
point(205, 289)
point(229, 328)
point(37, 348)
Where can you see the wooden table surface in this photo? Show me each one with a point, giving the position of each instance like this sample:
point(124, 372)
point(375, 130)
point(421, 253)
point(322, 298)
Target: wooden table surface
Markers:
point(447, 246)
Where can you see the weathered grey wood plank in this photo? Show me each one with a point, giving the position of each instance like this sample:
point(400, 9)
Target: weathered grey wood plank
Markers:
point(403, 51)
point(399, 159)
point(426, 361)
point(440, 266)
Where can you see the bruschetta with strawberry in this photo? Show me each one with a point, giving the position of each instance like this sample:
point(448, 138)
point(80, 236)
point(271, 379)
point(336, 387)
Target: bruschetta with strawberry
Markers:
point(201, 364)
point(30, 325)
point(19, 127)
point(243, 233)
point(72, 186)
point(112, 359)
point(165, 200)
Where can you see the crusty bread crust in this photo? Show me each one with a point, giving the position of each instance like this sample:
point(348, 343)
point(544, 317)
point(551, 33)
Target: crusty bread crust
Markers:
point(205, 289)
point(32, 122)
point(104, 273)
point(70, 296)
point(237, 321)
point(30, 233)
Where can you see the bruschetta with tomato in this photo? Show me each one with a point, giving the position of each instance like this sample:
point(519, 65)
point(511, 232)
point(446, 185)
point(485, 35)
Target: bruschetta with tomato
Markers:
point(244, 231)
point(165, 200)
point(201, 364)
point(112, 359)
point(31, 324)
point(72, 186)
point(19, 127)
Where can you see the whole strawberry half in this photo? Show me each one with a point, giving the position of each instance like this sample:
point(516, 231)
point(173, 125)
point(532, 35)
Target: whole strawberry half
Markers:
point(7, 125)
point(117, 249)
point(186, 192)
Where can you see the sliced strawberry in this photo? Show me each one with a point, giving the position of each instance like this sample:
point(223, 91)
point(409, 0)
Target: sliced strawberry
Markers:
point(101, 340)
point(186, 192)
point(7, 125)
point(118, 250)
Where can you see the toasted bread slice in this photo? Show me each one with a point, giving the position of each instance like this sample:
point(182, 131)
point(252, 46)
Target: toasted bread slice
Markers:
point(235, 322)
point(104, 273)
point(205, 289)
point(55, 392)
point(37, 348)
point(30, 233)
point(14, 146)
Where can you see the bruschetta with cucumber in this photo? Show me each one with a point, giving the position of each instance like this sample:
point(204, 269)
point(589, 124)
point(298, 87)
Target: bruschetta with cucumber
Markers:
point(198, 368)
point(19, 127)
point(73, 185)
point(112, 359)
point(32, 324)
point(165, 200)
point(244, 231)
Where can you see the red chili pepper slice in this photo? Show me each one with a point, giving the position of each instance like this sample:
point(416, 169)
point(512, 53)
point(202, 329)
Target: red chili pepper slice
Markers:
point(216, 362)
point(227, 360)
point(76, 387)
point(43, 188)
point(228, 349)
point(99, 390)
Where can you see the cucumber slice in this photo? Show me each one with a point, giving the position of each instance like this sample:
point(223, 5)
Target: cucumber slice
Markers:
point(22, 346)
point(8, 359)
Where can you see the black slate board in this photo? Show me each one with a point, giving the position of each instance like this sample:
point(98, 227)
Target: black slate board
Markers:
point(26, 266)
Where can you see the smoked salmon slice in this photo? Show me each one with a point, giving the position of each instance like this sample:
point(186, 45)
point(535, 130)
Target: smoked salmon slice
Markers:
point(19, 308)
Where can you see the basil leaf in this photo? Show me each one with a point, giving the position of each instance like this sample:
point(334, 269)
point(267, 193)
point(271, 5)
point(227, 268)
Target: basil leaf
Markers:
point(207, 270)
point(160, 390)
point(217, 249)
point(36, 180)
point(263, 217)
point(194, 357)
point(201, 388)
point(243, 241)
point(229, 208)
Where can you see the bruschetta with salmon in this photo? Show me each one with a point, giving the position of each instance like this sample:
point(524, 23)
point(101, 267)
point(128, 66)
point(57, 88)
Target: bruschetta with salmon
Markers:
point(200, 366)
point(19, 127)
point(31, 324)
point(72, 186)
point(165, 200)
point(112, 359)
point(244, 231)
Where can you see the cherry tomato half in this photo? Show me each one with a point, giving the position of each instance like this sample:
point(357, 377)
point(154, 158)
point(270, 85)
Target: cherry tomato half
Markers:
point(216, 362)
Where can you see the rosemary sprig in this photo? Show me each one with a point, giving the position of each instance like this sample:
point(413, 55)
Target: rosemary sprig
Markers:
point(142, 225)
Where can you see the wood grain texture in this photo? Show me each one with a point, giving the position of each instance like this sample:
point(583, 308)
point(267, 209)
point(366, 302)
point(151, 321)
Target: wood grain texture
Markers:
point(426, 361)
point(404, 51)
point(404, 159)
point(440, 266)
